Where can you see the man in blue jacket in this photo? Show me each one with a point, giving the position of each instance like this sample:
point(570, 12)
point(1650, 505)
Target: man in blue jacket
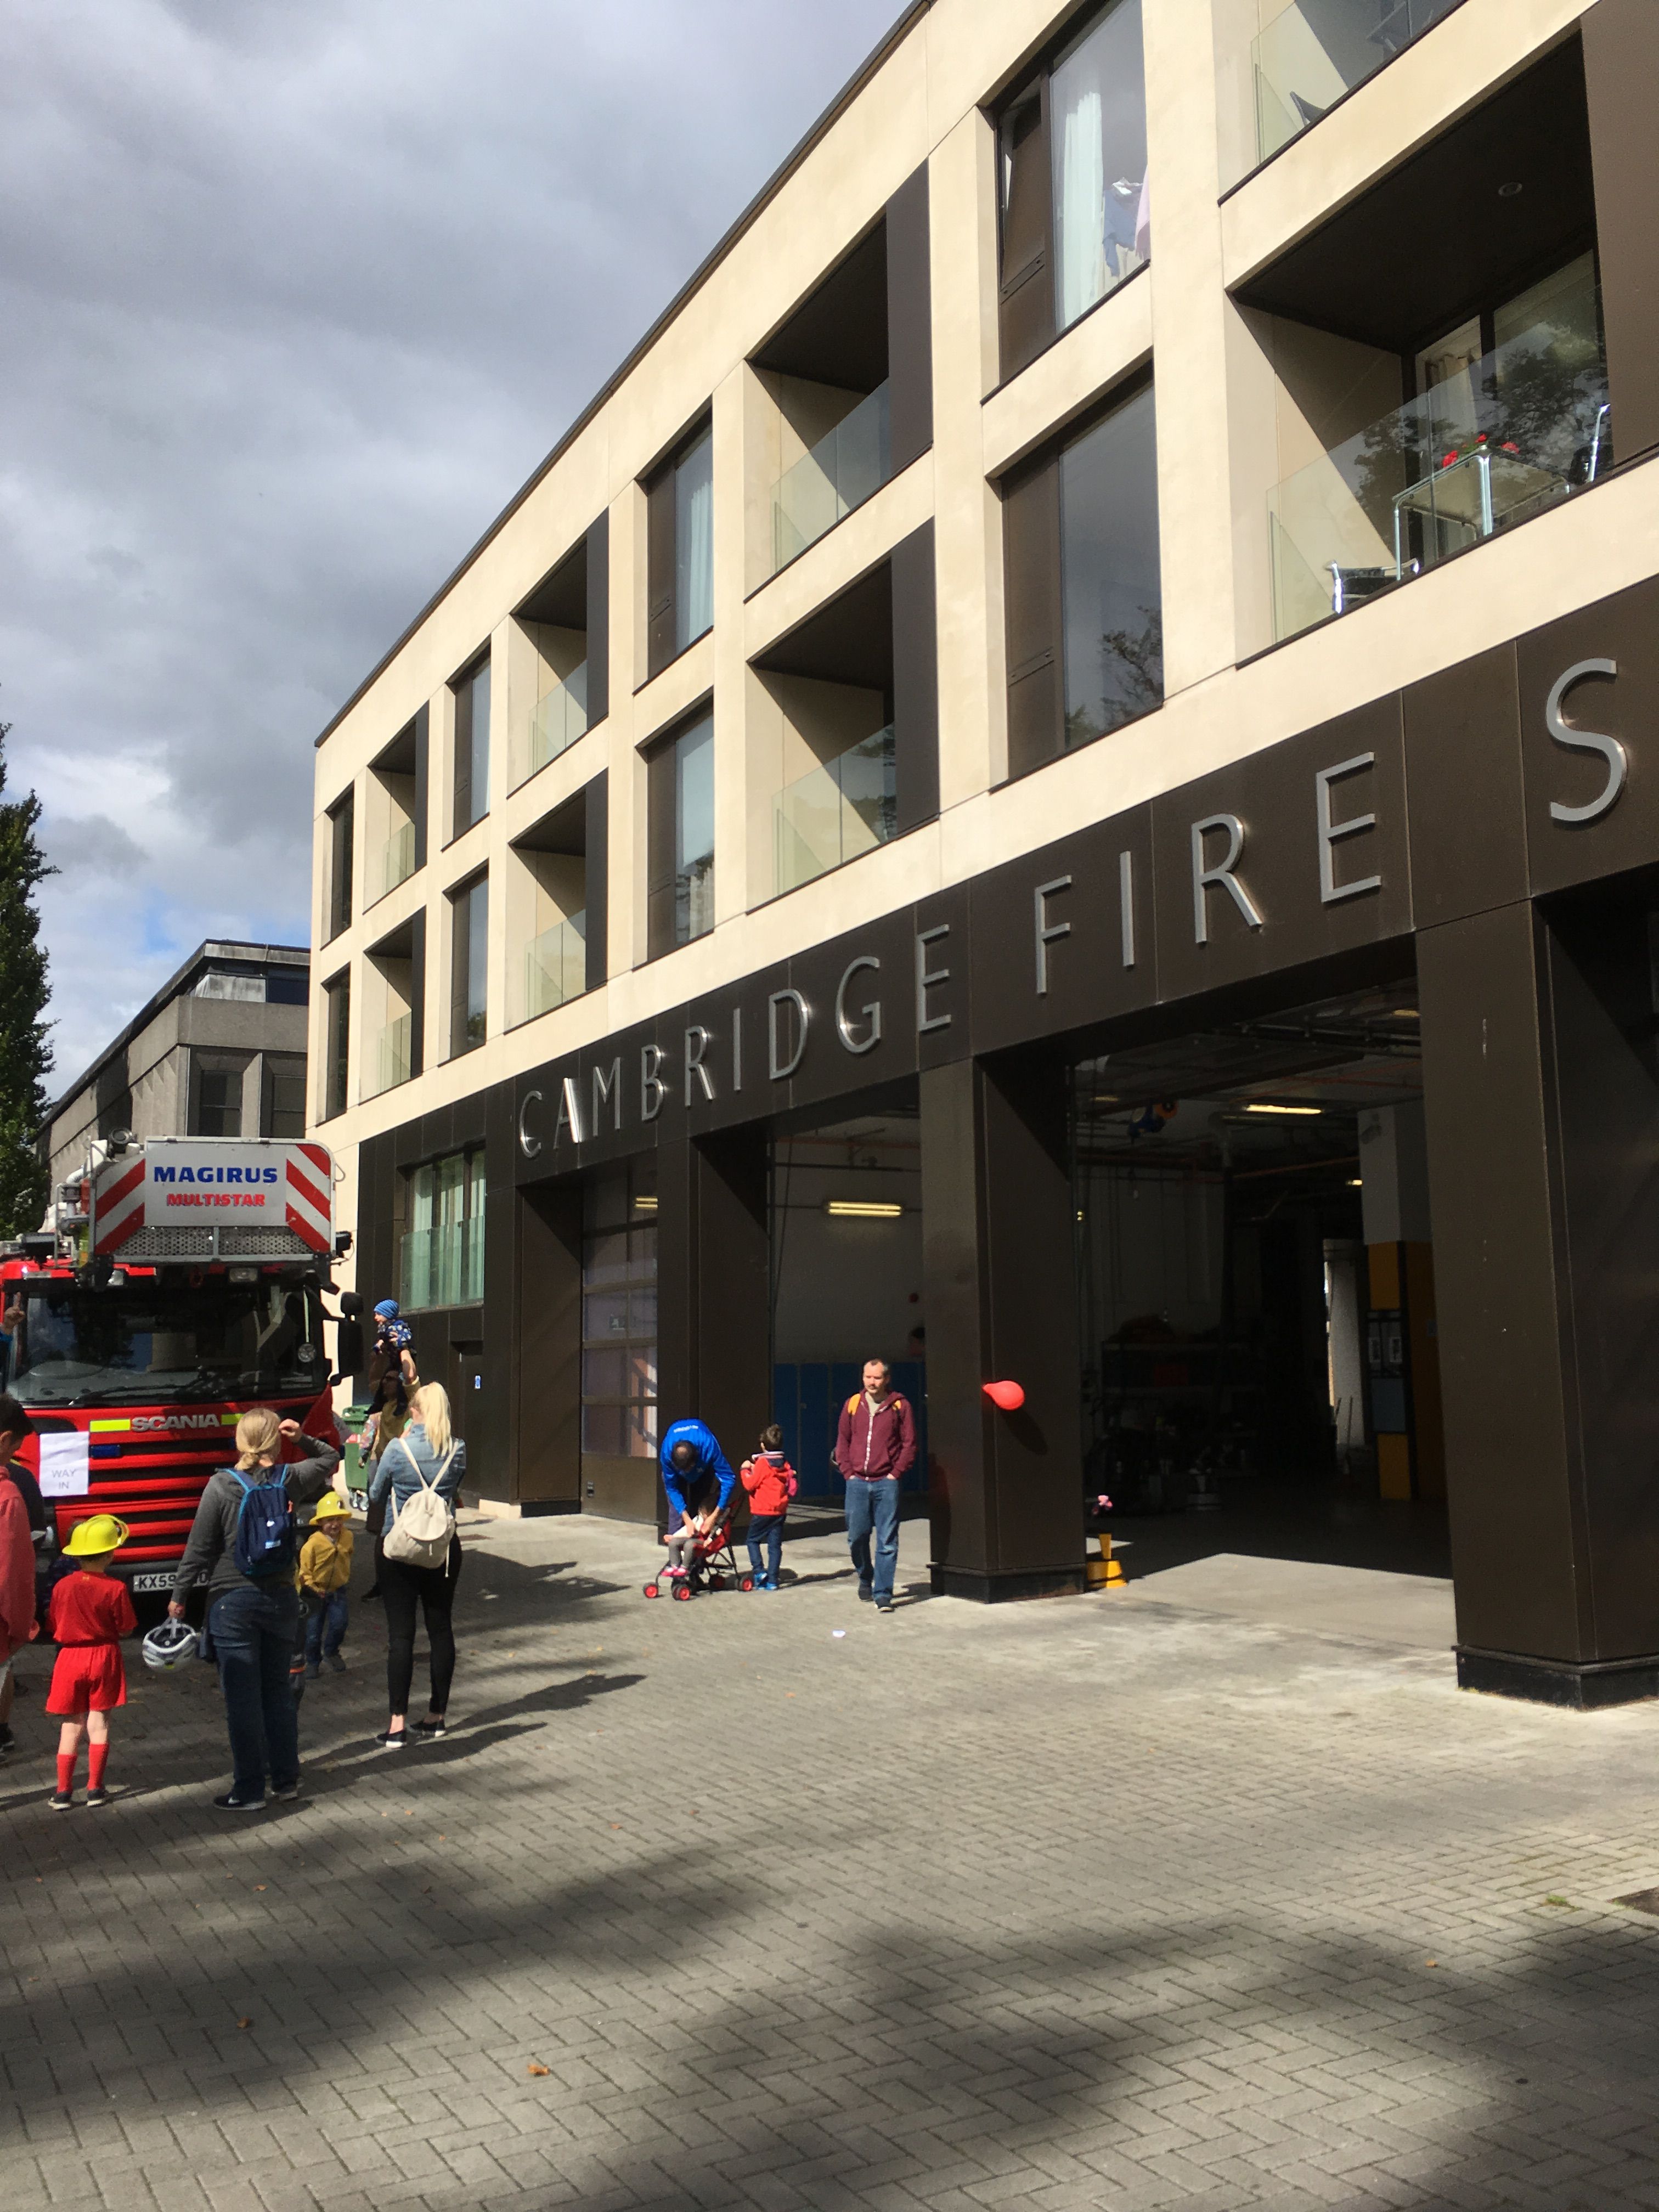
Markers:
point(697, 1481)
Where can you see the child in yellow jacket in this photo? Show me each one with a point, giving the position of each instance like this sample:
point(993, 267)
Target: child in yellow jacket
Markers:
point(325, 1575)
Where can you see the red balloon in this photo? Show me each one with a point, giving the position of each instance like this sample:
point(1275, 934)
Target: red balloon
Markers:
point(1008, 1395)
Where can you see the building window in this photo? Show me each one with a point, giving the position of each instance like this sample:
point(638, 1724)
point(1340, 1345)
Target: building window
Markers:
point(619, 1314)
point(1085, 604)
point(337, 1032)
point(680, 889)
point(469, 957)
point(443, 1249)
point(680, 551)
point(341, 827)
point(471, 747)
point(1075, 203)
point(215, 1094)
point(282, 1107)
point(287, 987)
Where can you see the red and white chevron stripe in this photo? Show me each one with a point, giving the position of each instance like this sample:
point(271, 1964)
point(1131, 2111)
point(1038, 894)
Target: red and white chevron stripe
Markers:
point(121, 1207)
point(310, 1197)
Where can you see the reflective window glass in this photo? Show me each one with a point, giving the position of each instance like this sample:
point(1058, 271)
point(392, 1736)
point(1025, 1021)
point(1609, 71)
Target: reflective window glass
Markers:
point(1113, 601)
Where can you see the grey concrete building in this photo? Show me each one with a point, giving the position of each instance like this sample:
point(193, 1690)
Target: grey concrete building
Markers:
point(220, 1051)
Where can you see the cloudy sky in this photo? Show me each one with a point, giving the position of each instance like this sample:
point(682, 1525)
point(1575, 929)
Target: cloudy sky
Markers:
point(293, 295)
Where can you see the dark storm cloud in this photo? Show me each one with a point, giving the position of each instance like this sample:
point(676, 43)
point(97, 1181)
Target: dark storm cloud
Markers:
point(293, 295)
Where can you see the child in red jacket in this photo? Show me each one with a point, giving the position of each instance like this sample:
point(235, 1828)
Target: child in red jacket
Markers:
point(90, 1613)
point(771, 1483)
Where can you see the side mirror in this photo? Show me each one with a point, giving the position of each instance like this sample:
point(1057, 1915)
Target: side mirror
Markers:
point(351, 1305)
point(349, 1346)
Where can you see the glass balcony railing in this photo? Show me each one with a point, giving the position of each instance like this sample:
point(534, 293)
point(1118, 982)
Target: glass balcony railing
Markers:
point(831, 478)
point(443, 1267)
point(556, 966)
point(397, 859)
point(557, 720)
point(390, 1059)
point(825, 818)
point(1517, 430)
point(1318, 50)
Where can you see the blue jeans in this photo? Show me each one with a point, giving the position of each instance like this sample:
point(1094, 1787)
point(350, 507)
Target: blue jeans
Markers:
point(325, 1627)
point(872, 1508)
point(253, 1633)
point(766, 1529)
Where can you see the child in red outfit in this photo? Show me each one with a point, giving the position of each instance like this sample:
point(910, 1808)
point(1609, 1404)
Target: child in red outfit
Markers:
point(771, 1483)
point(90, 1612)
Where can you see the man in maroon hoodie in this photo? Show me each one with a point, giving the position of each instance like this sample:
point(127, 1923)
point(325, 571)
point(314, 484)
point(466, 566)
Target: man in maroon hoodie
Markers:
point(875, 1444)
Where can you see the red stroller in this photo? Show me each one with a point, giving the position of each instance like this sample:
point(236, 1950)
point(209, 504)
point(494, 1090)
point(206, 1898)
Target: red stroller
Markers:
point(713, 1565)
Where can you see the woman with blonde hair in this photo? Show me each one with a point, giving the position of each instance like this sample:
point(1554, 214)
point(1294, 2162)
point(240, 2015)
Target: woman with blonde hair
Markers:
point(244, 1540)
point(427, 1457)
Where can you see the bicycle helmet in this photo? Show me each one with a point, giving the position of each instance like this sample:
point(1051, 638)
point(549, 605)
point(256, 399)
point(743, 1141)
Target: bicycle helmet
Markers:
point(169, 1645)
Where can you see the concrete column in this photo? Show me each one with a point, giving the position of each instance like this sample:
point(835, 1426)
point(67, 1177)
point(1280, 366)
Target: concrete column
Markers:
point(999, 1294)
point(1542, 1090)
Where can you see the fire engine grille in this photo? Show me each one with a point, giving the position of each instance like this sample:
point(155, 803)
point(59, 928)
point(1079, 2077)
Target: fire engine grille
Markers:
point(168, 1245)
point(272, 1244)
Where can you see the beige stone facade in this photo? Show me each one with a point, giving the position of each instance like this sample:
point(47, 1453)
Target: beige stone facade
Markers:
point(1227, 430)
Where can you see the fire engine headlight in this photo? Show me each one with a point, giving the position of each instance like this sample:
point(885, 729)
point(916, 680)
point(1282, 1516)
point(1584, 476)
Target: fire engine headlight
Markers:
point(244, 1274)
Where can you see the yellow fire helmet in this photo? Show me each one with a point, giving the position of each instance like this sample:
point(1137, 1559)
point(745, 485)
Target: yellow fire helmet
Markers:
point(100, 1533)
point(330, 1506)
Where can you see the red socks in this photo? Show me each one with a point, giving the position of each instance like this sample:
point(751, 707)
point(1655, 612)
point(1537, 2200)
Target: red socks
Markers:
point(97, 1761)
point(65, 1772)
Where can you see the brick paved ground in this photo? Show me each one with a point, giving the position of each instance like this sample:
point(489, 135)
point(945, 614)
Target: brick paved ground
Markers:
point(1075, 1903)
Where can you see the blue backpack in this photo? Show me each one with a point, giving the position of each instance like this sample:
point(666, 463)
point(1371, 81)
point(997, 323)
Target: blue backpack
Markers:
point(265, 1524)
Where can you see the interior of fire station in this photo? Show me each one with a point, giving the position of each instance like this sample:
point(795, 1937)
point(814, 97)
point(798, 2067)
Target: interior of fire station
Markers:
point(846, 1232)
point(1256, 1293)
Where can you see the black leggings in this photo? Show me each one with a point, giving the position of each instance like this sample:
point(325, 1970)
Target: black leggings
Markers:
point(400, 1586)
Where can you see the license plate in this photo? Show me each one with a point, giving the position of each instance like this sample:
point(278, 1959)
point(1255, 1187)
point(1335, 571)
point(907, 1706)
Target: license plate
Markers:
point(159, 1579)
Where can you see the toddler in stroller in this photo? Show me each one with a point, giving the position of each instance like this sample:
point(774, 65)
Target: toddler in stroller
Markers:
point(698, 1558)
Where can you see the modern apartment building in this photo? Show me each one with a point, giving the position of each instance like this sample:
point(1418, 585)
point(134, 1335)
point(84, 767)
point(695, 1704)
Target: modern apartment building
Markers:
point(1058, 779)
point(220, 1051)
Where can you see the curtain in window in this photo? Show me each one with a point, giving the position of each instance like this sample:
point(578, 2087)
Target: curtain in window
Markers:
point(694, 832)
point(694, 544)
point(1103, 208)
point(480, 741)
point(1081, 257)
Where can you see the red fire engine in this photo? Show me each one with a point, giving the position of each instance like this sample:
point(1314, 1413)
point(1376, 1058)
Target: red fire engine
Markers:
point(178, 1283)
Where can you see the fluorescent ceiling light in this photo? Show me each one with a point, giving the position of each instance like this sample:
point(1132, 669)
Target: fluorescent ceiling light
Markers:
point(863, 1209)
point(1405, 1014)
point(1252, 1107)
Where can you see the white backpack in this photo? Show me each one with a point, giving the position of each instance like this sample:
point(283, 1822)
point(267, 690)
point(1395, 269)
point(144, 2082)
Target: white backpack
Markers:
point(425, 1526)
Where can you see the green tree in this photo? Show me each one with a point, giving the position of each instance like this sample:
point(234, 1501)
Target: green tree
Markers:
point(25, 1052)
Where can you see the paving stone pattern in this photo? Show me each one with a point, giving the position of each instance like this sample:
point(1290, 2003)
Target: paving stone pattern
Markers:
point(1063, 1905)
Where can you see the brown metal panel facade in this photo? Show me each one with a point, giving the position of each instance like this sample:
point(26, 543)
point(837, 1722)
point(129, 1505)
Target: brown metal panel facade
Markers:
point(1469, 843)
point(1037, 657)
point(916, 679)
point(909, 323)
point(660, 570)
point(547, 1372)
point(1007, 1498)
point(1025, 289)
point(1517, 1543)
